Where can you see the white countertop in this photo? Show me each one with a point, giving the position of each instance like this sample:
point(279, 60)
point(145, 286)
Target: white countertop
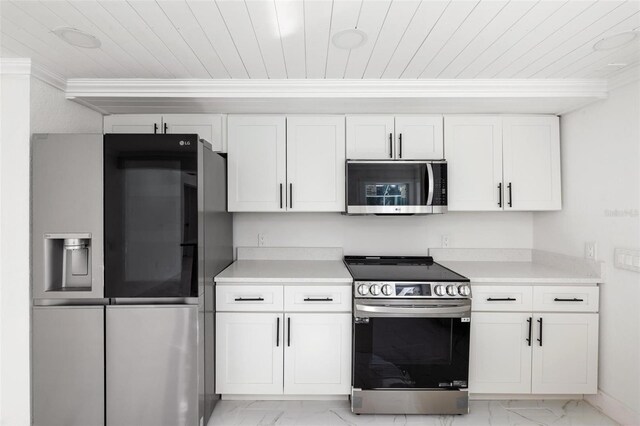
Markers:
point(285, 271)
point(518, 273)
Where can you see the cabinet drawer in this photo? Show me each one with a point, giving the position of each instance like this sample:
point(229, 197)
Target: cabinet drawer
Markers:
point(317, 298)
point(565, 299)
point(502, 298)
point(251, 298)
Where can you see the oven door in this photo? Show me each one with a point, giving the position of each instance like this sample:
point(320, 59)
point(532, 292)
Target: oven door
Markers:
point(395, 187)
point(400, 344)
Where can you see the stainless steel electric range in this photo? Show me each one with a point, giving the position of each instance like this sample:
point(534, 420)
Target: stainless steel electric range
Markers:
point(411, 325)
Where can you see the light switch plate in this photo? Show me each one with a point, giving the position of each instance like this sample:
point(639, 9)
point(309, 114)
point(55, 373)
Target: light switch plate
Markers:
point(627, 259)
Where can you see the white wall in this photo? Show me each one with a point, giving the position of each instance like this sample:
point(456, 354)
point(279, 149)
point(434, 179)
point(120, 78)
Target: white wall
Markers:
point(409, 235)
point(27, 106)
point(601, 174)
point(52, 113)
point(14, 250)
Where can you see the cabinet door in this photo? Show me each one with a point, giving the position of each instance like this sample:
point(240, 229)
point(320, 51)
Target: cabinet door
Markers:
point(566, 360)
point(249, 353)
point(370, 137)
point(315, 163)
point(500, 356)
point(133, 123)
point(531, 157)
point(317, 354)
point(206, 126)
point(473, 149)
point(256, 163)
point(419, 137)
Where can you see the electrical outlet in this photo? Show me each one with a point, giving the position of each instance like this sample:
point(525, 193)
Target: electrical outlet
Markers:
point(260, 239)
point(590, 250)
point(445, 241)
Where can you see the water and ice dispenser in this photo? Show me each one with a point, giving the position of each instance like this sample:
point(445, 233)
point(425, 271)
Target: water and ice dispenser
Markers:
point(67, 262)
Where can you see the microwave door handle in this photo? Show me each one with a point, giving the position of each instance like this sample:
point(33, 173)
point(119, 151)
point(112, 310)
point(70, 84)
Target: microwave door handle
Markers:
point(431, 184)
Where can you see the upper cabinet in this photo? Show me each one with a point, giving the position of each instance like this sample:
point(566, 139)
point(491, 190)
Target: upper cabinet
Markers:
point(473, 149)
point(503, 163)
point(133, 123)
point(531, 162)
point(315, 163)
point(402, 137)
point(256, 163)
point(370, 137)
point(303, 171)
point(207, 126)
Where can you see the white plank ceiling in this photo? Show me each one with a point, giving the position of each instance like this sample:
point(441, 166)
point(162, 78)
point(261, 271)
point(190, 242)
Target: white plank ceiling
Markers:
point(291, 39)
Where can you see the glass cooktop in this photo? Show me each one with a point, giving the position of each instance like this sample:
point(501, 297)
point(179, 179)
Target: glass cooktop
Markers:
point(404, 268)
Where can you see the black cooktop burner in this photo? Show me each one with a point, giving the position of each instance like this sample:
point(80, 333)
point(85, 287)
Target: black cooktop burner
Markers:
point(404, 268)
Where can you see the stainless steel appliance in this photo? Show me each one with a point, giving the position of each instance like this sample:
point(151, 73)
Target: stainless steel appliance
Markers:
point(128, 232)
point(411, 328)
point(396, 187)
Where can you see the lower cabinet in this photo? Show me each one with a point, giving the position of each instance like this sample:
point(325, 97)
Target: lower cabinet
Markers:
point(276, 353)
point(249, 353)
point(317, 356)
point(534, 352)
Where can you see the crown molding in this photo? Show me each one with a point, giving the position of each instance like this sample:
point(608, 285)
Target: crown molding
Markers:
point(49, 77)
point(398, 89)
point(15, 66)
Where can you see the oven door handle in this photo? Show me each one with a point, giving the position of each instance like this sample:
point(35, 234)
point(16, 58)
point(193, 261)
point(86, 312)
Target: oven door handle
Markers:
point(456, 311)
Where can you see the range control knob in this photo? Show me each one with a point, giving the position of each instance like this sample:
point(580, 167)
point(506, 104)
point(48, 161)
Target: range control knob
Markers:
point(439, 290)
point(387, 290)
point(451, 290)
point(464, 290)
point(374, 289)
point(362, 290)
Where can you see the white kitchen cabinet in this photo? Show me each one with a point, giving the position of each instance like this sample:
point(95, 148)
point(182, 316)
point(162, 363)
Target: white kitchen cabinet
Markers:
point(299, 347)
point(502, 162)
point(256, 163)
point(249, 354)
point(473, 150)
point(531, 159)
point(370, 137)
point(538, 350)
point(566, 360)
point(315, 163)
point(500, 356)
point(133, 123)
point(206, 126)
point(419, 137)
point(317, 355)
point(388, 137)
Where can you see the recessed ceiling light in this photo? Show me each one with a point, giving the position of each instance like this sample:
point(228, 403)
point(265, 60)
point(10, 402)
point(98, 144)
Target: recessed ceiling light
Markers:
point(76, 37)
point(615, 41)
point(350, 38)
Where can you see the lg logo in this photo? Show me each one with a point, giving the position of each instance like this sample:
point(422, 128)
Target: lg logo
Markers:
point(184, 143)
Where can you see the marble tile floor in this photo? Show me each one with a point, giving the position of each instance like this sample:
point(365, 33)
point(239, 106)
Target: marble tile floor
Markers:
point(338, 413)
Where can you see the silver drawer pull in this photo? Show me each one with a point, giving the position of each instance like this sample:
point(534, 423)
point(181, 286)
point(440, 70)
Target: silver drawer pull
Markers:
point(312, 299)
point(249, 299)
point(558, 299)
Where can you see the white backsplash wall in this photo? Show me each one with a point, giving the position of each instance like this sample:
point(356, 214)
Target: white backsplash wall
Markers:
point(601, 203)
point(375, 235)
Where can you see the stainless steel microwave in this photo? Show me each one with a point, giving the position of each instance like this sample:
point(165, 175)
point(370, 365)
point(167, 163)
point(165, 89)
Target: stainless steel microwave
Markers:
point(396, 187)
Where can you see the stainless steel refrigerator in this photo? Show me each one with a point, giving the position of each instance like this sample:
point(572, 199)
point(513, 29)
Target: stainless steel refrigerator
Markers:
point(128, 232)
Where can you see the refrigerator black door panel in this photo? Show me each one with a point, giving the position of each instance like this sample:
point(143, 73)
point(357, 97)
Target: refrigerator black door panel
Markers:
point(151, 215)
point(68, 366)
